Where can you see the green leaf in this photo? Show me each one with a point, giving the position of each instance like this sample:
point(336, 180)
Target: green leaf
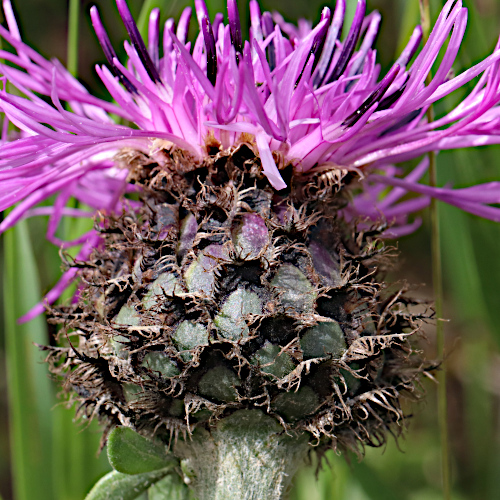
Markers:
point(118, 486)
point(130, 453)
point(170, 487)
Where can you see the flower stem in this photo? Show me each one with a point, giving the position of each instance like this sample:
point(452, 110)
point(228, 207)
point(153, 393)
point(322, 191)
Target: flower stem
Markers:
point(437, 280)
point(247, 456)
point(73, 24)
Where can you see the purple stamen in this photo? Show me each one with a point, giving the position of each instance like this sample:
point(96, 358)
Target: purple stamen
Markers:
point(375, 96)
point(108, 49)
point(350, 43)
point(268, 29)
point(388, 101)
point(372, 31)
point(317, 45)
point(235, 26)
point(320, 39)
point(137, 40)
point(330, 44)
point(401, 123)
point(208, 36)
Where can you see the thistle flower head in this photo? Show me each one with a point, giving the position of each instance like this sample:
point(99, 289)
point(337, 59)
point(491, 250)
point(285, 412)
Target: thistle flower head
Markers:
point(227, 286)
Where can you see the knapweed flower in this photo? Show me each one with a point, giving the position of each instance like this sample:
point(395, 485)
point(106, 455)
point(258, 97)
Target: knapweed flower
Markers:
point(231, 281)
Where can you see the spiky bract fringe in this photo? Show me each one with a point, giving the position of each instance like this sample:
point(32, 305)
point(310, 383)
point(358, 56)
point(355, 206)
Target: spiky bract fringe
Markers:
point(215, 293)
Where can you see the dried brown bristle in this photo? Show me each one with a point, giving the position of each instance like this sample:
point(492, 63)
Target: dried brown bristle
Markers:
point(216, 293)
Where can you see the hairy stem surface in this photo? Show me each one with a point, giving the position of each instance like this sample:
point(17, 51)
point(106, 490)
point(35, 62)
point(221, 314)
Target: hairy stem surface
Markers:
point(247, 456)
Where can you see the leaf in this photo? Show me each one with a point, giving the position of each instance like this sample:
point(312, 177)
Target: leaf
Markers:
point(170, 487)
point(130, 453)
point(118, 486)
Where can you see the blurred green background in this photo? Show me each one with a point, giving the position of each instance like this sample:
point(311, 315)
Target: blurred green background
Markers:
point(44, 455)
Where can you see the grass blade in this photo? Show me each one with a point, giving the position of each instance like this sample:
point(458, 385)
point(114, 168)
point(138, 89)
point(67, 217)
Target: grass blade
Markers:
point(29, 388)
point(73, 28)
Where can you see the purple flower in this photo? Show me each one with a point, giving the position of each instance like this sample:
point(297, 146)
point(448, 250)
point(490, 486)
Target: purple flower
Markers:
point(301, 93)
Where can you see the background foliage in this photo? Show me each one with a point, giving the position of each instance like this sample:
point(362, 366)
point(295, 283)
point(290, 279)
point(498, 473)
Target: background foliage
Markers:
point(44, 455)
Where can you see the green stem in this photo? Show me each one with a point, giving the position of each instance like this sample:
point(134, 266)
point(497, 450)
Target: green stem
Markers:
point(73, 24)
point(247, 456)
point(437, 280)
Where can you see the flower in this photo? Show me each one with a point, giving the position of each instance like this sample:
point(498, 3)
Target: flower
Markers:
point(236, 152)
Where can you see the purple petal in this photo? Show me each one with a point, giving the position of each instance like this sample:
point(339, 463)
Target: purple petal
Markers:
point(268, 164)
point(183, 26)
point(255, 19)
point(154, 36)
